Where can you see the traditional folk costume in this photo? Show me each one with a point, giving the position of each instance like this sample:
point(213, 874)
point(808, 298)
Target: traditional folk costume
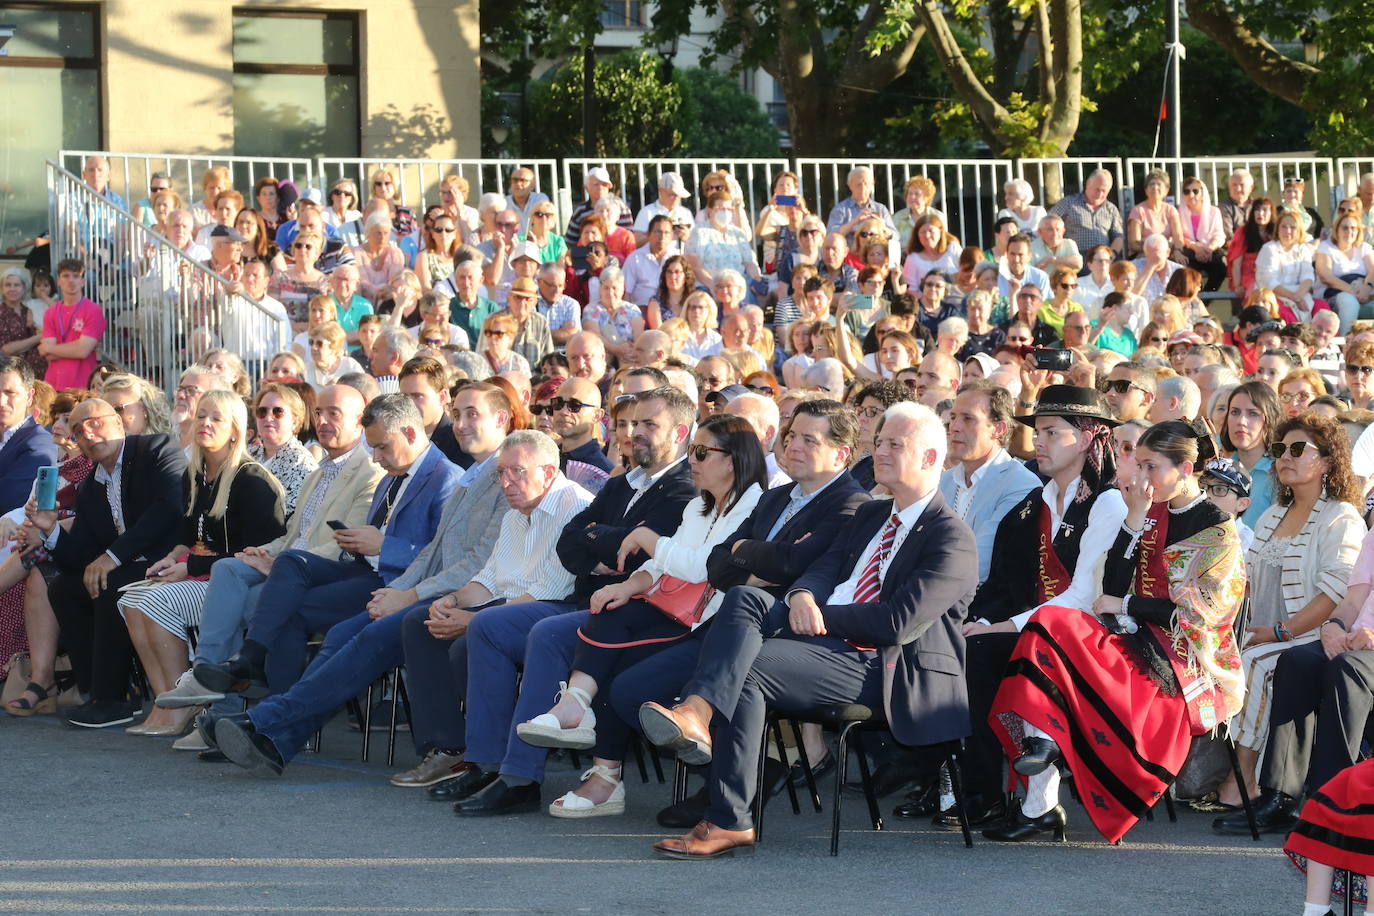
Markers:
point(1336, 827)
point(1124, 708)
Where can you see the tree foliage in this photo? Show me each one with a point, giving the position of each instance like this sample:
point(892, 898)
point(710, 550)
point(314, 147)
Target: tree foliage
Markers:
point(637, 113)
point(720, 119)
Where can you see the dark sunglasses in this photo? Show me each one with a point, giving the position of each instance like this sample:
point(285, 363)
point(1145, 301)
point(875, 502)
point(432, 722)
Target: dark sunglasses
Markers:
point(1192, 191)
point(540, 409)
point(301, 245)
point(1068, 286)
point(277, 412)
point(572, 404)
point(699, 452)
point(493, 332)
point(1363, 370)
point(1279, 449)
point(1119, 385)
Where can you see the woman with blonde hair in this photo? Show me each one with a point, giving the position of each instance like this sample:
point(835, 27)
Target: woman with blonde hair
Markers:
point(232, 503)
point(920, 193)
point(1285, 266)
point(342, 205)
point(1166, 313)
point(400, 304)
point(699, 311)
point(141, 405)
point(285, 366)
point(453, 196)
point(1344, 264)
point(213, 183)
point(300, 281)
point(778, 224)
point(230, 367)
point(385, 187)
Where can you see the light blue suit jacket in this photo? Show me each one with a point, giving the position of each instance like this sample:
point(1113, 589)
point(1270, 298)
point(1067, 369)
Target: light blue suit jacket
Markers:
point(1000, 488)
point(415, 517)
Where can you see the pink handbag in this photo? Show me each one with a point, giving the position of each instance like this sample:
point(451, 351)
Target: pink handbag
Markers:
point(683, 601)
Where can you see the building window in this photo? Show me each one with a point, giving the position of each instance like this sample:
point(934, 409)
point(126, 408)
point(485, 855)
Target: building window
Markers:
point(49, 100)
point(295, 84)
point(623, 14)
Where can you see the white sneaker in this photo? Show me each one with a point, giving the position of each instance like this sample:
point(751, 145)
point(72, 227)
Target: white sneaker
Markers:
point(191, 741)
point(188, 692)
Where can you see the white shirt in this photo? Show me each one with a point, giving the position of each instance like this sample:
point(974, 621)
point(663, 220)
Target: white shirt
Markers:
point(523, 561)
point(678, 215)
point(642, 270)
point(640, 480)
point(683, 555)
point(963, 492)
point(844, 592)
point(252, 332)
point(1104, 521)
point(535, 198)
point(777, 477)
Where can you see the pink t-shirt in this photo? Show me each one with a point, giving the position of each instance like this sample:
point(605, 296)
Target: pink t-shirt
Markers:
point(1363, 574)
point(65, 324)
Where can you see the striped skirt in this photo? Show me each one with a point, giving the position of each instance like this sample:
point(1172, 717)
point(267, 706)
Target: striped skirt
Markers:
point(174, 606)
point(1252, 722)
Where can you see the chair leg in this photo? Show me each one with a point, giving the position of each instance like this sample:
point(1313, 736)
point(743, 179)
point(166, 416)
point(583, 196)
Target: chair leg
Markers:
point(679, 782)
point(956, 779)
point(391, 728)
point(1169, 807)
point(366, 720)
point(782, 756)
point(806, 766)
point(760, 790)
point(1349, 908)
point(657, 762)
point(1240, 787)
point(873, 814)
point(638, 748)
point(841, 773)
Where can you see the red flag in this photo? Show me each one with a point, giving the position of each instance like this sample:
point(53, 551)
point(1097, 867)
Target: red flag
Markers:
point(1163, 109)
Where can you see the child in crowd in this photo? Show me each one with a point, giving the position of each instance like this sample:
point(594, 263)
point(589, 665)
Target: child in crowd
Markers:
point(1228, 487)
point(72, 329)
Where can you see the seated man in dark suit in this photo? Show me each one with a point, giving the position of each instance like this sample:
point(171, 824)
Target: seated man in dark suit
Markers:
point(128, 513)
point(24, 445)
point(877, 621)
point(306, 593)
point(484, 665)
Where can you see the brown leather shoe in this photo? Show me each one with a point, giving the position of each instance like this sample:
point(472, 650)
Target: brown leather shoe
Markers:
point(678, 730)
point(707, 841)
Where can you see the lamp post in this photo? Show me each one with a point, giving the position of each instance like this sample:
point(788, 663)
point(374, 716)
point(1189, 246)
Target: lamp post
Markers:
point(667, 49)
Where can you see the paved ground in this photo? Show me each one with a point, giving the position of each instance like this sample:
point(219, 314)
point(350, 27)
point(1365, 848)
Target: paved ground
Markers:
point(102, 822)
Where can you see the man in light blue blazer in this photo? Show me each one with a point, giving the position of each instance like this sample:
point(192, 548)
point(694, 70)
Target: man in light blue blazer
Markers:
point(306, 593)
point(987, 481)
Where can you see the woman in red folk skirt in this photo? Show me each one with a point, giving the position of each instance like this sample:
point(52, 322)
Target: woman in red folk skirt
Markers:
point(1336, 830)
point(1116, 696)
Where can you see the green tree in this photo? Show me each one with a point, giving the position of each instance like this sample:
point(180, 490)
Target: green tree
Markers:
point(720, 119)
point(637, 113)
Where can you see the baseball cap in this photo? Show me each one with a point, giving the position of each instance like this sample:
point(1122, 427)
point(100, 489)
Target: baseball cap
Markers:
point(728, 393)
point(227, 232)
point(600, 174)
point(1185, 337)
point(1226, 471)
point(525, 250)
point(672, 181)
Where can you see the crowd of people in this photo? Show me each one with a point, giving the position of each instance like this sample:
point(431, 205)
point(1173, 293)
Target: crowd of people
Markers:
point(671, 469)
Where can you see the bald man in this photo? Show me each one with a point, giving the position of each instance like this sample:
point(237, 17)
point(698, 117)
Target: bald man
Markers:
point(762, 414)
point(939, 371)
point(652, 349)
point(577, 417)
point(734, 332)
point(587, 359)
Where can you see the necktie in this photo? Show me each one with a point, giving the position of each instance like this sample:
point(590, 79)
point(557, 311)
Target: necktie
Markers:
point(869, 586)
point(328, 471)
point(382, 513)
point(112, 495)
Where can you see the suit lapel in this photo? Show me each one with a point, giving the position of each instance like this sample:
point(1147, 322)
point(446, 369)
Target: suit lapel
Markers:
point(21, 433)
point(766, 522)
point(421, 475)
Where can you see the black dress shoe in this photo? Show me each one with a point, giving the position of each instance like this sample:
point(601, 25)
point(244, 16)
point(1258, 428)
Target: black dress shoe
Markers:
point(1037, 755)
point(895, 776)
point(1274, 813)
point(463, 785)
point(102, 714)
point(214, 755)
point(244, 745)
point(499, 798)
point(1017, 827)
point(238, 675)
point(923, 802)
point(979, 813)
point(687, 813)
point(798, 775)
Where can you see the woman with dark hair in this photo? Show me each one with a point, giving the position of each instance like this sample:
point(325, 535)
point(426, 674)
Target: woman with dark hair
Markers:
point(1245, 245)
point(266, 196)
point(1252, 417)
point(1119, 696)
point(1184, 285)
point(676, 282)
point(1299, 564)
point(629, 625)
point(278, 415)
point(258, 241)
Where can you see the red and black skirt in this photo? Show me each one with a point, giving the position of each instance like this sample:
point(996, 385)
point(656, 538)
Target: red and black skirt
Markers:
point(1122, 735)
point(1336, 826)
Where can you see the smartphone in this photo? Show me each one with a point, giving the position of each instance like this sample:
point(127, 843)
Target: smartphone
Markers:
point(46, 488)
point(862, 302)
point(1052, 358)
point(579, 256)
point(787, 200)
point(337, 525)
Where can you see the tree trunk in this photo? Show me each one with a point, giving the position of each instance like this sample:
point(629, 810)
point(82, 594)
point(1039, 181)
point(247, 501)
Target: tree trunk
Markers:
point(1282, 76)
point(1065, 23)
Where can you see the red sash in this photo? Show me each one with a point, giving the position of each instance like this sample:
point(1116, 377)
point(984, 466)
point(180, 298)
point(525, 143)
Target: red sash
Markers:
point(1201, 696)
point(1053, 578)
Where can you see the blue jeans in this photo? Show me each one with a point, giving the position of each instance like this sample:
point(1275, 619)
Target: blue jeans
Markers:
point(543, 636)
point(228, 610)
point(1348, 308)
point(305, 594)
point(356, 652)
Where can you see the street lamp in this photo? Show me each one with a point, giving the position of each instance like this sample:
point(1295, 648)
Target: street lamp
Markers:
point(667, 49)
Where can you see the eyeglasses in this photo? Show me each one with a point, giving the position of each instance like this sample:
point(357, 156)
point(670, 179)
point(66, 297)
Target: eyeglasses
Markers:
point(318, 343)
point(544, 214)
point(507, 225)
point(511, 474)
point(811, 232)
point(866, 235)
point(870, 412)
point(444, 229)
point(1279, 449)
point(1068, 286)
point(761, 389)
point(120, 408)
point(1032, 296)
point(1296, 397)
point(189, 390)
point(383, 184)
point(1120, 385)
point(1160, 339)
point(570, 404)
point(1221, 491)
point(333, 191)
point(699, 452)
point(165, 187)
point(303, 245)
point(277, 412)
point(540, 409)
point(1362, 370)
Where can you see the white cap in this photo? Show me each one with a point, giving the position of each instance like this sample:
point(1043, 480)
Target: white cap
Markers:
point(525, 250)
point(600, 174)
point(313, 195)
point(672, 181)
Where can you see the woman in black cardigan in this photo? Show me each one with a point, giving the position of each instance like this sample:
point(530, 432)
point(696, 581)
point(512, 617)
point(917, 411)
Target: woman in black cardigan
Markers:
point(232, 502)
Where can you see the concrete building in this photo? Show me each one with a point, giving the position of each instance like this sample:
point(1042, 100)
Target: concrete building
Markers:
point(244, 77)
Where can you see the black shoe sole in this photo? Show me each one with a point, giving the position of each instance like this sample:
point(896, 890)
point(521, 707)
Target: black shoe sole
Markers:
point(215, 679)
point(237, 745)
point(525, 807)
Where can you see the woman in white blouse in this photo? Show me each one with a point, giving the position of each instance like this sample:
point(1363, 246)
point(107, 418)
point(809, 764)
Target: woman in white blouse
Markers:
point(1094, 286)
point(1285, 266)
point(1021, 205)
point(930, 248)
point(703, 340)
point(1345, 264)
point(627, 636)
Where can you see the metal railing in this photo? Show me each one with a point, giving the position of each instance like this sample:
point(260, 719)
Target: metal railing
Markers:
point(417, 180)
point(131, 173)
point(1054, 179)
point(1318, 174)
point(636, 180)
point(968, 191)
point(1347, 180)
point(163, 310)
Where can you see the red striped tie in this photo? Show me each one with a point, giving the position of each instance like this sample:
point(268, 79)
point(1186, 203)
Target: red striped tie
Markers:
point(869, 586)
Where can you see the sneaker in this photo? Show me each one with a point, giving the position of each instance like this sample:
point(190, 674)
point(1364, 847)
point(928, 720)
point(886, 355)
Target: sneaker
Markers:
point(188, 692)
point(192, 741)
point(435, 768)
point(101, 714)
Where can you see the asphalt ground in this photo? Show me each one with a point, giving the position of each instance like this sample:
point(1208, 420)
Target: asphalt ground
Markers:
point(103, 822)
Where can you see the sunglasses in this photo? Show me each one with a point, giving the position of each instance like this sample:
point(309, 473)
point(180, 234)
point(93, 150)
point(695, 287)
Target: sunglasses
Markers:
point(811, 232)
point(570, 404)
point(1191, 191)
point(1119, 385)
point(540, 409)
point(761, 389)
point(277, 412)
point(544, 215)
point(1158, 339)
point(699, 452)
point(507, 225)
point(493, 332)
point(1362, 370)
point(444, 229)
point(1279, 449)
point(296, 245)
point(1068, 286)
